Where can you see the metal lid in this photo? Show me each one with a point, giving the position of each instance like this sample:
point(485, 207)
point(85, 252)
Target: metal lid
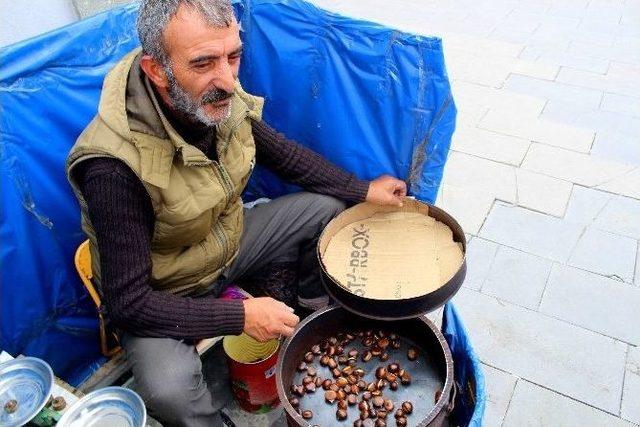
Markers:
point(106, 407)
point(26, 381)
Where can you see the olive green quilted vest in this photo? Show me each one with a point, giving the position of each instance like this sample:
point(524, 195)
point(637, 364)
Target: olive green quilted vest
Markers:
point(197, 204)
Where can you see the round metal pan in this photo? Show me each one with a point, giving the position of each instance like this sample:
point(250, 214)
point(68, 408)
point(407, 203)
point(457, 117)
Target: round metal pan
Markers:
point(28, 381)
point(106, 407)
point(431, 372)
point(397, 309)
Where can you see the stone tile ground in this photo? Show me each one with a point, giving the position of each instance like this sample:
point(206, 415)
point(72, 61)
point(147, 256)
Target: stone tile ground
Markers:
point(544, 176)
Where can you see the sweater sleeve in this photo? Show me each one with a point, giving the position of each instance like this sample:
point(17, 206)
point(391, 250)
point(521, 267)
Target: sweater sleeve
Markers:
point(122, 215)
point(300, 165)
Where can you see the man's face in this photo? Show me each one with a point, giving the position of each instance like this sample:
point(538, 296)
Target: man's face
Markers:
point(203, 66)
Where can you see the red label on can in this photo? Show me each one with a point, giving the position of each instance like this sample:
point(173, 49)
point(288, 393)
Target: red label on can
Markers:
point(254, 384)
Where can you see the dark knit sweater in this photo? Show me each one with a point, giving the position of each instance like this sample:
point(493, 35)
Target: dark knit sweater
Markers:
point(122, 215)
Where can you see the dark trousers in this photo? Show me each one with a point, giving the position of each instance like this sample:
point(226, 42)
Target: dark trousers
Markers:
point(168, 372)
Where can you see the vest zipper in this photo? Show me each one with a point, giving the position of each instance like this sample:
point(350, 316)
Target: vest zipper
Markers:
point(218, 232)
point(220, 236)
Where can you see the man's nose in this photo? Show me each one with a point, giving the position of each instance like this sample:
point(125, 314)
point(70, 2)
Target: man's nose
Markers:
point(226, 80)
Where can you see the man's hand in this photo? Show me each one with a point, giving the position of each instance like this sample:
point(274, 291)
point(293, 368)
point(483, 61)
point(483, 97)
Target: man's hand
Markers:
point(266, 318)
point(386, 190)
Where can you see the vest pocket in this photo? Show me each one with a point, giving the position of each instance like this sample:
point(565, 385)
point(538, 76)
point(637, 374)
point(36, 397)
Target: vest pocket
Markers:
point(182, 234)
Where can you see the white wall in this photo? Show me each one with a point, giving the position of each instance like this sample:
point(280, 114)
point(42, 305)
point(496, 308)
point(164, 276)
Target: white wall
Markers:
point(23, 19)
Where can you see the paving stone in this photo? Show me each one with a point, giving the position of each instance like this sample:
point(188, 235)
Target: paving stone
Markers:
point(563, 23)
point(499, 386)
point(575, 9)
point(626, 184)
point(636, 280)
point(616, 146)
point(533, 129)
point(481, 70)
point(585, 63)
point(480, 255)
point(562, 37)
point(565, 112)
point(570, 166)
point(630, 29)
point(614, 52)
point(627, 43)
point(630, 408)
point(595, 302)
point(590, 118)
point(605, 8)
point(455, 200)
point(533, 405)
point(595, 38)
point(534, 51)
point(585, 204)
point(588, 98)
point(470, 94)
point(532, 7)
point(470, 115)
point(523, 22)
point(490, 145)
point(605, 253)
point(576, 362)
point(537, 70)
point(470, 26)
point(517, 277)
point(622, 216)
point(621, 104)
point(542, 193)
point(510, 35)
point(475, 45)
point(23, 20)
point(480, 175)
point(532, 232)
point(621, 78)
point(605, 25)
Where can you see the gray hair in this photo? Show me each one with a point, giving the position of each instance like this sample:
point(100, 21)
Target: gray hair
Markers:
point(154, 16)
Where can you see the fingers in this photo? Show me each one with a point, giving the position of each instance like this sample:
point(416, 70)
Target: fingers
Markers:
point(399, 187)
point(403, 188)
point(285, 330)
point(291, 319)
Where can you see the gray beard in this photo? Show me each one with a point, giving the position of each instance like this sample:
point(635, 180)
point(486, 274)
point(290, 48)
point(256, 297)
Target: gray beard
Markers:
point(185, 104)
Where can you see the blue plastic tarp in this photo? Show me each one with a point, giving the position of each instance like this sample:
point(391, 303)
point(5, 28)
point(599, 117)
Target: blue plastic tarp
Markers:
point(468, 375)
point(371, 99)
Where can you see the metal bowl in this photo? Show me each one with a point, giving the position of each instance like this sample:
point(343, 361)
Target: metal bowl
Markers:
point(28, 381)
point(106, 407)
point(431, 372)
point(405, 308)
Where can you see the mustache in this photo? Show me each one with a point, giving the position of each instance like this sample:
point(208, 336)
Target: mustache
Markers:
point(215, 95)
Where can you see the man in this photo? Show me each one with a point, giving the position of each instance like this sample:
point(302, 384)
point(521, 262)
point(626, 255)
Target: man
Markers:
point(159, 173)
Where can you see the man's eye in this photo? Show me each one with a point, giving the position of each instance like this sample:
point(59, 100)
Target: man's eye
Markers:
point(234, 58)
point(201, 66)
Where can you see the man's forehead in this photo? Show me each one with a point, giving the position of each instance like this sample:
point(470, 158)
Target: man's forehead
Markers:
point(188, 34)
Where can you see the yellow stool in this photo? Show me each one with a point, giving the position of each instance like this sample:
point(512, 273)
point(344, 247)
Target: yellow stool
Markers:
point(83, 266)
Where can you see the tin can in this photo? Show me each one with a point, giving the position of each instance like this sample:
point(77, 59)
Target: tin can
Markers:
point(252, 369)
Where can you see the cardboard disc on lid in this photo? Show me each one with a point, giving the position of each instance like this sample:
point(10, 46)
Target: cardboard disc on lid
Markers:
point(392, 263)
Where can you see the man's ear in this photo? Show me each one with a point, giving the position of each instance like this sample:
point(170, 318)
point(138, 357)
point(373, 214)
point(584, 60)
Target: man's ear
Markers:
point(154, 70)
